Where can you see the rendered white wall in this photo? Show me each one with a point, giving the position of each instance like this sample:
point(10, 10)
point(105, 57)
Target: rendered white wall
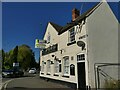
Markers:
point(102, 28)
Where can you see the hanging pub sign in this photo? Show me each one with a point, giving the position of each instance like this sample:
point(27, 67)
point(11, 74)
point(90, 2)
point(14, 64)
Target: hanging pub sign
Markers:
point(40, 43)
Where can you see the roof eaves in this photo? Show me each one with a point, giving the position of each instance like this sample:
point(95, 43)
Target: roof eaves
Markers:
point(87, 13)
point(93, 9)
point(57, 27)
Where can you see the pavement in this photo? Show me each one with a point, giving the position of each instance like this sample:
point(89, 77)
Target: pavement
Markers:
point(31, 82)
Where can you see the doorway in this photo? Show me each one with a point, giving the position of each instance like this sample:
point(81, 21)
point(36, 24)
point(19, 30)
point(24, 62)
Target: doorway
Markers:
point(81, 71)
point(81, 75)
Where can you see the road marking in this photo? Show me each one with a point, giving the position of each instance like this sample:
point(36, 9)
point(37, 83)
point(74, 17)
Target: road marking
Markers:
point(6, 83)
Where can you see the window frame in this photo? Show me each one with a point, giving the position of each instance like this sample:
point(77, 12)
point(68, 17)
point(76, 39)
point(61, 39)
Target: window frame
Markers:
point(48, 66)
point(56, 66)
point(71, 35)
point(42, 67)
point(66, 66)
point(81, 57)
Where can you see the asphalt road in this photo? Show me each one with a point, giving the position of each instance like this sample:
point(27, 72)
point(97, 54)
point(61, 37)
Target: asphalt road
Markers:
point(5, 81)
point(31, 82)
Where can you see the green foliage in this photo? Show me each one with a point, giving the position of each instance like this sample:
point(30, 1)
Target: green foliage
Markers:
point(2, 56)
point(26, 57)
point(22, 54)
point(15, 54)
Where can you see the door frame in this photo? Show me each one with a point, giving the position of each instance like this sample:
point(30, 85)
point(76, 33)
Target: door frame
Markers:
point(86, 69)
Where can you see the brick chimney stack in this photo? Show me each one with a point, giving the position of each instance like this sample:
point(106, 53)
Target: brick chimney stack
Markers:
point(75, 14)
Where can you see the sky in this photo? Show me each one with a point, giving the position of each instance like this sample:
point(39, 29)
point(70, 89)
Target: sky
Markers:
point(23, 22)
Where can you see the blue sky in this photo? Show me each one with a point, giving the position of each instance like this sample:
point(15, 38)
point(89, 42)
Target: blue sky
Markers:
point(23, 22)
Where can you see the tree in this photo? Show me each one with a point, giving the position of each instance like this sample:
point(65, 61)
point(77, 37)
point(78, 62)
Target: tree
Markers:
point(22, 54)
point(26, 57)
point(15, 54)
point(2, 56)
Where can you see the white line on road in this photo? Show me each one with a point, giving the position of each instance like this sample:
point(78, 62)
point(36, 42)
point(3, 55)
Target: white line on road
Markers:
point(6, 83)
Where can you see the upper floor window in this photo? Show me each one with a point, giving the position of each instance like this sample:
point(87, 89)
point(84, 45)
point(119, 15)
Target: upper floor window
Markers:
point(71, 35)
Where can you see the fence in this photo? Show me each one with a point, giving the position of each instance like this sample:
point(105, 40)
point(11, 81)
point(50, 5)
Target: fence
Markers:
point(107, 76)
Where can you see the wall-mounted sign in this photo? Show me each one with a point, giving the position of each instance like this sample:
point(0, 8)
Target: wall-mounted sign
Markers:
point(84, 36)
point(79, 28)
point(72, 58)
point(72, 69)
point(40, 43)
point(81, 44)
point(50, 49)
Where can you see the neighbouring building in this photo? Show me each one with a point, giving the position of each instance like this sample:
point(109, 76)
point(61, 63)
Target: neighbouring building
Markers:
point(74, 52)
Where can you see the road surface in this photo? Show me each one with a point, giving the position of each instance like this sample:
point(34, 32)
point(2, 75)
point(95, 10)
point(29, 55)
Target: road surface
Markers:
point(31, 83)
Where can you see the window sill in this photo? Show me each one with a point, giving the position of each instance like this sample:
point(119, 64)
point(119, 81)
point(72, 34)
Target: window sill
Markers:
point(42, 73)
point(71, 43)
point(56, 75)
point(48, 74)
point(65, 76)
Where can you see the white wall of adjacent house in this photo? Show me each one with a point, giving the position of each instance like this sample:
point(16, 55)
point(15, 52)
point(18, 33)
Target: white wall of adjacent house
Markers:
point(102, 28)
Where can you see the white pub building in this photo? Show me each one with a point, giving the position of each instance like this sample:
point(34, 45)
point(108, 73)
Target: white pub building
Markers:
point(73, 51)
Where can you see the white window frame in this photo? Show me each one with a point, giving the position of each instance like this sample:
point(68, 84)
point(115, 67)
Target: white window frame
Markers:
point(56, 66)
point(48, 66)
point(42, 67)
point(66, 70)
point(80, 57)
point(71, 35)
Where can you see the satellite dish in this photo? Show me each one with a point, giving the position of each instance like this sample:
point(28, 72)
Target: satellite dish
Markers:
point(81, 44)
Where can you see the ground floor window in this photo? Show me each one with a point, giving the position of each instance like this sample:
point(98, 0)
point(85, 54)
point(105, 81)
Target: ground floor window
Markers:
point(66, 65)
point(56, 68)
point(48, 66)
